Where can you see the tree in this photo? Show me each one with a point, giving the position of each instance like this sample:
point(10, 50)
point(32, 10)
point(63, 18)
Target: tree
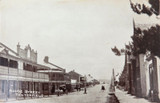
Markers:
point(155, 6)
point(138, 42)
point(146, 40)
point(116, 51)
point(152, 40)
point(143, 8)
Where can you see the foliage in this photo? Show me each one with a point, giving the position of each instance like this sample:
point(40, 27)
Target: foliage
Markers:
point(152, 38)
point(139, 9)
point(138, 42)
point(146, 40)
point(116, 51)
point(155, 6)
point(119, 52)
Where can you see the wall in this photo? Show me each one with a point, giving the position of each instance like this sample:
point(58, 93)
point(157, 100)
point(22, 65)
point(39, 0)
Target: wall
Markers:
point(147, 63)
point(158, 74)
point(27, 53)
point(74, 76)
point(142, 75)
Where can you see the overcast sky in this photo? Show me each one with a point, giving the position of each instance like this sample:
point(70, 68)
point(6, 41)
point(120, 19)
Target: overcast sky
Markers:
point(75, 34)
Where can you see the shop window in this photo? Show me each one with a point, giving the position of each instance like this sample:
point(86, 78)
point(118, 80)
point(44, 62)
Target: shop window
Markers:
point(3, 83)
point(45, 86)
point(14, 85)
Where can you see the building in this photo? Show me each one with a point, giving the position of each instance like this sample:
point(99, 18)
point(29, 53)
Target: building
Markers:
point(57, 75)
point(74, 76)
point(18, 76)
point(143, 70)
point(22, 77)
point(75, 79)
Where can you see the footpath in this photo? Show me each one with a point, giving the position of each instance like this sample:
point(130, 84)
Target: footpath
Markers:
point(123, 97)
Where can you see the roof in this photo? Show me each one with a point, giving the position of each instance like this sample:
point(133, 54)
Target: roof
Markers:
point(89, 78)
point(47, 66)
point(4, 47)
point(50, 71)
point(74, 73)
point(52, 66)
point(142, 20)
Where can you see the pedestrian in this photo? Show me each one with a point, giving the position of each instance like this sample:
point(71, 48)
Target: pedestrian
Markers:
point(53, 90)
point(102, 88)
point(66, 91)
point(58, 92)
point(23, 92)
point(79, 88)
point(85, 90)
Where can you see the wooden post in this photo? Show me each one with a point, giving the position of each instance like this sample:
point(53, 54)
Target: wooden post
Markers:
point(7, 90)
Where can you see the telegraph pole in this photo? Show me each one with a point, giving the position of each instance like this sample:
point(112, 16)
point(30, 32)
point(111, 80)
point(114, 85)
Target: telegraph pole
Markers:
point(85, 89)
point(112, 85)
point(7, 90)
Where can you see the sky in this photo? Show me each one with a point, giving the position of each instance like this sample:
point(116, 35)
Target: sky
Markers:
point(75, 34)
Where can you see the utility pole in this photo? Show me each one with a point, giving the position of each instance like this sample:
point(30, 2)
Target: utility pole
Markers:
point(85, 89)
point(7, 90)
point(112, 85)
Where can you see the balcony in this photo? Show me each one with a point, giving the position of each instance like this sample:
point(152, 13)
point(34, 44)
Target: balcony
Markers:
point(19, 74)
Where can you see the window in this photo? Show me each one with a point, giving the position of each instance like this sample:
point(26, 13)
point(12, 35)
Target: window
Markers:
point(45, 87)
point(3, 83)
point(3, 61)
point(13, 64)
point(28, 67)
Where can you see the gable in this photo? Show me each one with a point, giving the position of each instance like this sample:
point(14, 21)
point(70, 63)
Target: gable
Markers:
point(6, 50)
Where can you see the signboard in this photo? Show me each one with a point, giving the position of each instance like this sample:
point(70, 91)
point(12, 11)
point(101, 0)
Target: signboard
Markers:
point(82, 79)
point(73, 81)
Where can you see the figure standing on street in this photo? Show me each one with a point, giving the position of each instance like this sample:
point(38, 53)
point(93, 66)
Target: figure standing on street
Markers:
point(85, 90)
point(102, 88)
point(66, 92)
point(58, 92)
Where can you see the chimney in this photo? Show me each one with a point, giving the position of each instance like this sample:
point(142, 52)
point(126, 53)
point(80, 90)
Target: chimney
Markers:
point(18, 48)
point(46, 59)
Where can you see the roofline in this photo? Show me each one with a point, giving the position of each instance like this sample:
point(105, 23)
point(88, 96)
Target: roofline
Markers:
point(75, 72)
point(56, 66)
point(25, 60)
point(60, 68)
point(9, 49)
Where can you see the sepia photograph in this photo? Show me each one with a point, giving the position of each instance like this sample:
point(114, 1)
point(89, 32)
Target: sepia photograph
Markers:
point(79, 51)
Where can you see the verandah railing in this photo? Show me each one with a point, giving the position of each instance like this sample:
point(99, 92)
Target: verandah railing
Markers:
point(8, 71)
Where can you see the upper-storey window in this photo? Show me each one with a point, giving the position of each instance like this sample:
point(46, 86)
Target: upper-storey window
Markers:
point(28, 67)
point(10, 63)
point(3, 61)
point(13, 64)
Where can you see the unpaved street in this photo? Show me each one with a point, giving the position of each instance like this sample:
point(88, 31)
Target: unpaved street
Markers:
point(94, 95)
